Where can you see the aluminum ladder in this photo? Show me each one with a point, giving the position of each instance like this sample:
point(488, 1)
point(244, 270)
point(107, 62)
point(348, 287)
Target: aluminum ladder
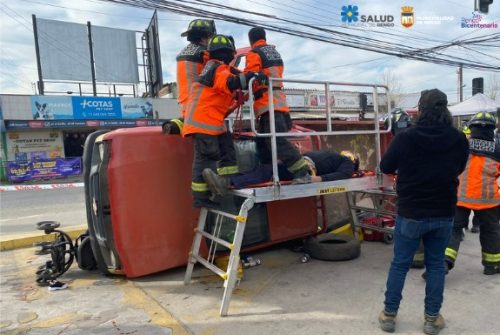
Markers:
point(230, 276)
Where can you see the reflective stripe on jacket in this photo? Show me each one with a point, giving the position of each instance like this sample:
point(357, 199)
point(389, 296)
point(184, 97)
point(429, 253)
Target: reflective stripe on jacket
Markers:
point(478, 188)
point(209, 102)
point(190, 62)
point(264, 58)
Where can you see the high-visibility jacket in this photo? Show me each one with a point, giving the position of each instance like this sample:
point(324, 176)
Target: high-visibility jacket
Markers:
point(478, 188)
point(190, 62)
point(266, 59)
point(209, 101)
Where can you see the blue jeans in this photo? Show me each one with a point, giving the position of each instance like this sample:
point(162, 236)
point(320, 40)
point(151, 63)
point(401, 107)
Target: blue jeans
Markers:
point(435, 234)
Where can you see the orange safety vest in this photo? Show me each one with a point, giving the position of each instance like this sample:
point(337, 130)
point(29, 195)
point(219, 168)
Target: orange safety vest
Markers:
point(478, 188)
point(209, 101)
point(190, 62)
point(266, 59)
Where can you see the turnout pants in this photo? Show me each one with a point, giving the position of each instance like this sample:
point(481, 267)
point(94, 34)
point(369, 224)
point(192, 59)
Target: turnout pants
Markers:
point(215, 152)
point(287, 152)
point(489, 234)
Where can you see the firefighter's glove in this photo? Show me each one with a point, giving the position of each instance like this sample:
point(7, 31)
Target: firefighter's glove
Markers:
point(172, 127)
point(261, 78)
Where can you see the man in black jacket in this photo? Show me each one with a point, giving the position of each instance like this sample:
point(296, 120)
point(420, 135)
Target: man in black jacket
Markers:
point(324, 165)
point(428, 159)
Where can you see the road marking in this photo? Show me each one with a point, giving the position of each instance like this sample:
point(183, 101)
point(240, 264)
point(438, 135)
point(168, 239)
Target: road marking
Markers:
point(22, 217)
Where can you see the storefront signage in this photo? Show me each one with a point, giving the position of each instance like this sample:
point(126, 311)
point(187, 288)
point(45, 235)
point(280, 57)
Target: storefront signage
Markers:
point(40, 144)
point(96, 108)
point(51, 108)
point(45, 108)
point(13, 124)
point(44, 168)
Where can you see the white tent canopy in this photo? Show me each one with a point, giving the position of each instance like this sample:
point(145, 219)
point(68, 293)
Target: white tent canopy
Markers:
point(477, 103)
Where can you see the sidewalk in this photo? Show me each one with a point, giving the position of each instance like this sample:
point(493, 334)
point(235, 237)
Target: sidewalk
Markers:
point(281, 296)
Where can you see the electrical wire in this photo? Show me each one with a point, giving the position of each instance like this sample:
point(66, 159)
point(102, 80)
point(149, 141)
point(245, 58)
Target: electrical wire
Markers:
point(432, 55)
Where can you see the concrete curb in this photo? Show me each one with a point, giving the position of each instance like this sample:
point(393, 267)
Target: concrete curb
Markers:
point(27, 240)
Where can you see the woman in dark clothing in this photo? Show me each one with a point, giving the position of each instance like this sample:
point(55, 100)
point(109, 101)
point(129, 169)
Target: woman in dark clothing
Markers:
point(428, 159)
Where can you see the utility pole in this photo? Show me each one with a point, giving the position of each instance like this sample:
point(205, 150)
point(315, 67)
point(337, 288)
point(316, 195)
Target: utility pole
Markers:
point(460, 84)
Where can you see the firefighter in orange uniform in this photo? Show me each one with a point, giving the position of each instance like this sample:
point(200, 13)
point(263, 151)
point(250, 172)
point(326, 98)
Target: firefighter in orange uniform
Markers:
point(265, 58)
point(190, 62)
point(479, 192)
point(210, 100)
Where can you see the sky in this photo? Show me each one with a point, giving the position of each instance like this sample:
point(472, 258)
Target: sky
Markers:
point(304, 59)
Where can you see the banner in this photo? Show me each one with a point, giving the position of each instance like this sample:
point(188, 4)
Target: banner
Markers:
point(134, 108)
point(37, 144)
point(44, 168)
point(51, 108)
point(13, 124)
point(99, 108)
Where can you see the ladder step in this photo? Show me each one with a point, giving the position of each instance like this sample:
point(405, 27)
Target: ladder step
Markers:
point(210, 266)
point(216, 239)
point(227, 215)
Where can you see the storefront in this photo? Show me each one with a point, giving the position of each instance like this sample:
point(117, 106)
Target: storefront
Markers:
point(50, 131)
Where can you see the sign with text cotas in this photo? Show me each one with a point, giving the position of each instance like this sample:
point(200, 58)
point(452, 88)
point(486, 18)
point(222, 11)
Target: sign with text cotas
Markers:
point(96, 108)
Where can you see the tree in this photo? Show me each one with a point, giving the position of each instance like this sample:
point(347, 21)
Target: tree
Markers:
point(492, 88)
point(390, 79)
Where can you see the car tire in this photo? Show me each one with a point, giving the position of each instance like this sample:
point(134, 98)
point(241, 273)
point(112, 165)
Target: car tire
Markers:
point(330, 247)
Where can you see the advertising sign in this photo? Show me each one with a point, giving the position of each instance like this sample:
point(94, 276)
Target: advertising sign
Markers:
point(34, 144)
point(97, 108)
point(51, 108)
point(133, 108)
point(43, 168)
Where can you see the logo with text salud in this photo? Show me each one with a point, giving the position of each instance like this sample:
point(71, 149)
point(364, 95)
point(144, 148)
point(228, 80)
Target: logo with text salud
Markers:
point(351, 16)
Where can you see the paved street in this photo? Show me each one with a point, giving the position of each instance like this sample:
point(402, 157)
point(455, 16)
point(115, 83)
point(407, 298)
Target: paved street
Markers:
point(281, 296)
point(21, 210)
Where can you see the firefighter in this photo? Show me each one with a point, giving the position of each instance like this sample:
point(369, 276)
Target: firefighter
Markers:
point(479, 192)
point(210, 101)
point(190, 62)
point(265, 58)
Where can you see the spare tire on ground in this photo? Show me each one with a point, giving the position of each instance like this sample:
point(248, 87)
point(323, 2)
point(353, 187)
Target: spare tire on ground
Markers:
point(330, 247)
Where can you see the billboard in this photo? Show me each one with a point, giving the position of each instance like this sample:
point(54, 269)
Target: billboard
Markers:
point(64, 52)
point(115, 55)
point(154, 57)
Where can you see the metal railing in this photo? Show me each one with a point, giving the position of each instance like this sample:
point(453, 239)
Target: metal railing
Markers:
point(273, 134)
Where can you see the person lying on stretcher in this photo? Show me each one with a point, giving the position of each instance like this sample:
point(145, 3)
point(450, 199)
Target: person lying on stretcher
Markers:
point(324, 165)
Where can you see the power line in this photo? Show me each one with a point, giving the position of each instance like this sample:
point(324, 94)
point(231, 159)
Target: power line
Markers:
point(335, 37)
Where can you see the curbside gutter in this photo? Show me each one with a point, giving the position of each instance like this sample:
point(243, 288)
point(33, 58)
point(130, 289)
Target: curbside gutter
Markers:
point(17, 241)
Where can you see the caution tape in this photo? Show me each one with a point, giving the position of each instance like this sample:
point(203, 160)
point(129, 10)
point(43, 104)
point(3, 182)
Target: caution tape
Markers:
point(8, 188)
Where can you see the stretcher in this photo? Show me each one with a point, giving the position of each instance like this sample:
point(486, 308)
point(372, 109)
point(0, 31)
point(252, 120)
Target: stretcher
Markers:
point(278, 192)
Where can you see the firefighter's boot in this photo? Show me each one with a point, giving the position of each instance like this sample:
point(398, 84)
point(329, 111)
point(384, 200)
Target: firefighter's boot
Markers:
point(217, 184)
point(491, 270)
point(433, 324)
point(387, 322)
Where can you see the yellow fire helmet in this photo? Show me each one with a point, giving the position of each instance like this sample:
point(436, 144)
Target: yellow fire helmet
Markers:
point(354, 158)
